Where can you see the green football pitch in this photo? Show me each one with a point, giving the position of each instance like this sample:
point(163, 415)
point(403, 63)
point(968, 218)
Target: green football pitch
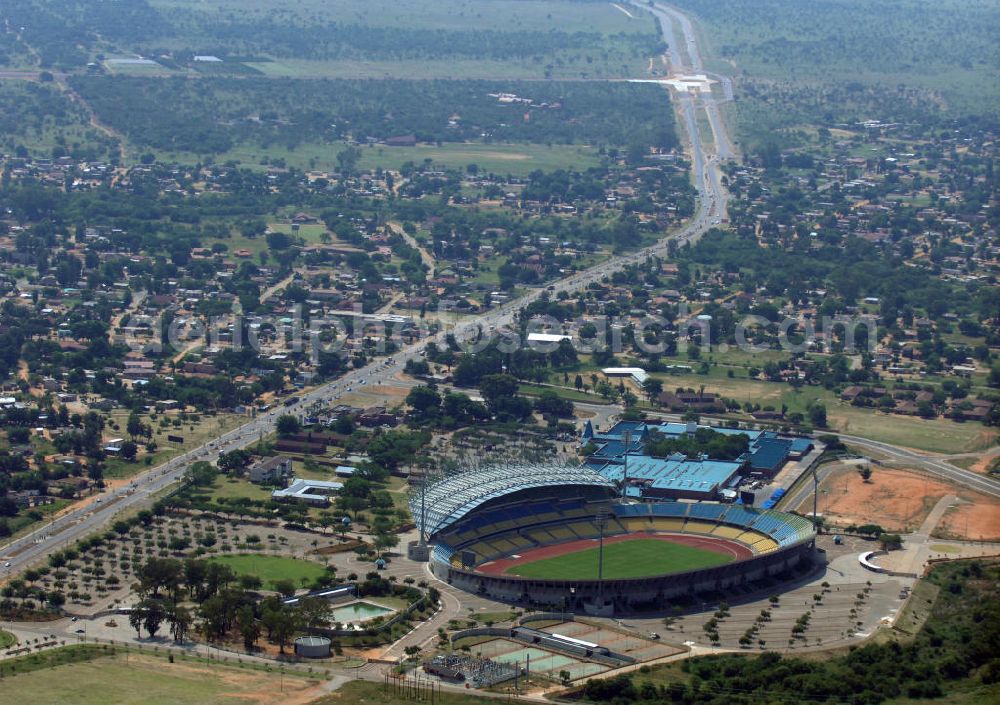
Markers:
point(625, 559)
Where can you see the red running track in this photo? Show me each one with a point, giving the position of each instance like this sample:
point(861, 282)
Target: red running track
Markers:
point(708, 543)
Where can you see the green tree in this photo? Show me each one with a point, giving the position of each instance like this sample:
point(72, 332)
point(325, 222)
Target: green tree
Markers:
point(287, 425)
point(200, 474)
point(235, 461)
point(179, 618)
point(652, 388)
point(153, 616)
point(134, 426)
point(129, 450)
point(249, 627)
point(424, 401)
point(817, 415)
point(385, 540)
point(497, 387)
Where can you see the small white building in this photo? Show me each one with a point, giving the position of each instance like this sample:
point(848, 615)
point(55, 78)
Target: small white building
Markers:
point(315, 492)
point(637, 374)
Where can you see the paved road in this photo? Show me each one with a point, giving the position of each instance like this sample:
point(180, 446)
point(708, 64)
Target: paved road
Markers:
point(82, 521)
point(932, 465)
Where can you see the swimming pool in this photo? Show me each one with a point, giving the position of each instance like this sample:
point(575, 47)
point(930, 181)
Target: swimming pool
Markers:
point(358, 612)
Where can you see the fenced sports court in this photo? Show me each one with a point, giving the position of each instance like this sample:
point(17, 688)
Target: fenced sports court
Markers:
point(641, 649)
point(548, 663)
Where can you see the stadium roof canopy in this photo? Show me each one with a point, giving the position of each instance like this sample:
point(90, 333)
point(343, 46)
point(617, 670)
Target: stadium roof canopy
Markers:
point(454, 497)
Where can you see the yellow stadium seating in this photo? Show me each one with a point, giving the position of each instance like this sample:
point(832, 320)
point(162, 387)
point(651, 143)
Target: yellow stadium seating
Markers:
point(561, 533)
point(699, 527)
point(668, 523)
point(583, 529)
point(727, 532)
point(637, 524)
point(765, 545)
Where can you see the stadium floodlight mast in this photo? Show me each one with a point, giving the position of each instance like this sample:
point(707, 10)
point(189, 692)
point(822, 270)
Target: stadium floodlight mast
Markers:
point(602, 521)
point(628, 445)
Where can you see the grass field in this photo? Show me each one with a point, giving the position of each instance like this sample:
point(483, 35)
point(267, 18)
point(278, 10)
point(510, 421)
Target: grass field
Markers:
point(272, 568)
point(494, 15)
point(489, 25)
point(7, 639)
point(627, 559)
point(154, 681)
point(904, 42)
point(195, 432)
point(939, 435)
point(376, 694)
point(564, 393)
point(571, 65)
point(518, 159)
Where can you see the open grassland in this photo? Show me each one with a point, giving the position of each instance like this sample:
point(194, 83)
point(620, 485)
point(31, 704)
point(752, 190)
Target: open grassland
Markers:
point(906, 42)
point(517, 159)
point(27, 521)
point(43, 120)
point(938, 435)
point(233, 488)
point(145, 680)
point(627, 559)
point(307, 124)
point(377, 694)
point(572, 66)
point(411, 38)
point(195, 432)
point(573, 395)
point(497, 15)
point(272, 568)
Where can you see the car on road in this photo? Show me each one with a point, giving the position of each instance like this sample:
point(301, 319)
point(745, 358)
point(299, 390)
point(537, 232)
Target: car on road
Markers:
point(80, 631)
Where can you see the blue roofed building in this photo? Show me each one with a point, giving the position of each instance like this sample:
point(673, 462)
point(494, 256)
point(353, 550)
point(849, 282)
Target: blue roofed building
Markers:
point(679, 476)
point(768, 454)
point(676, 477)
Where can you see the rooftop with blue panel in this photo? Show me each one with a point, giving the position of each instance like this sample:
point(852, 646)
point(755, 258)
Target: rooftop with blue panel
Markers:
point(679, 475)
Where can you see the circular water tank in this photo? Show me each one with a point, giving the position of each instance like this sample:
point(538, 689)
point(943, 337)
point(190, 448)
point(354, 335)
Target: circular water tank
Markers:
point(312, 647)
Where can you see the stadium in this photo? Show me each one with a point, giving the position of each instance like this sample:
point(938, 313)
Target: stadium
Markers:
point(559, 537)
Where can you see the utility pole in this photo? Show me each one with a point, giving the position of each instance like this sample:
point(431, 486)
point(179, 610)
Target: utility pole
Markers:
point(423, 509)
point(815, 493)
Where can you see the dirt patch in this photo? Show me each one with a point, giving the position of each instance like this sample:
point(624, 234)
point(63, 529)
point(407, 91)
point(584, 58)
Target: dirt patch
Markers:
point(252, 686)
point(338, 548)
point(983, 464)
point(896, 500)
point(900, 500)
point(977, 518)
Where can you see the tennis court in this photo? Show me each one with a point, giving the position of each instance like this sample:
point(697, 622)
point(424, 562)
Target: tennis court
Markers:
point(548, 663)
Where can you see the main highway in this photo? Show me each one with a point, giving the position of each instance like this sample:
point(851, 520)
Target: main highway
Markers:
point(706, 159)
